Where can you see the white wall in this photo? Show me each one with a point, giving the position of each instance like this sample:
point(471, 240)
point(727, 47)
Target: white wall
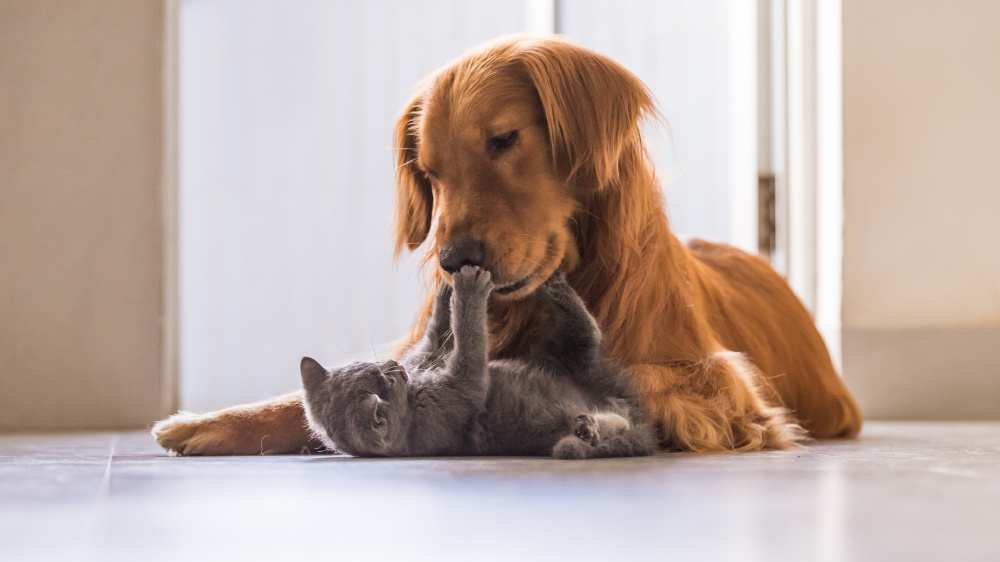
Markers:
point(80, 243)
point(921, 293)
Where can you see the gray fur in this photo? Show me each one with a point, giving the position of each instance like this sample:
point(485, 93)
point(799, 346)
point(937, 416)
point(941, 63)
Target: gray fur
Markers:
point(563, 398)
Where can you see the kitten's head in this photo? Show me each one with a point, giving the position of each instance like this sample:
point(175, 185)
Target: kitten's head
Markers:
point(360, 408)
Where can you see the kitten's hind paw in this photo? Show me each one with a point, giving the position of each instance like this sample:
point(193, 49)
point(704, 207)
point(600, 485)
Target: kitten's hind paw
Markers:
point(571, 447)
point(586, 428)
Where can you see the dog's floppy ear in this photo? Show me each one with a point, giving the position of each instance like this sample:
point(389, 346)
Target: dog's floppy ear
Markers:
point(414, 199)
point(593, 108)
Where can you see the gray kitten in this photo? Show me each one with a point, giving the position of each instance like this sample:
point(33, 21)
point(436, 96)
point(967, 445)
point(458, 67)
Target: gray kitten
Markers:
point(563, 398)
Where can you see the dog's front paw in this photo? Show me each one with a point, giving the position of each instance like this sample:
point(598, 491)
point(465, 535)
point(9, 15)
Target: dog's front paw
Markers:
point(472, 281)
point(186, 433)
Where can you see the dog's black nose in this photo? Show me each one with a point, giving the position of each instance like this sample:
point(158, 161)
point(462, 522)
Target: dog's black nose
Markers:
point(463, 252)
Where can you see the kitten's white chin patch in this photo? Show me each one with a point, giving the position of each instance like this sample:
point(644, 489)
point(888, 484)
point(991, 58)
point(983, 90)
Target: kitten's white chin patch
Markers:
point(317, 429)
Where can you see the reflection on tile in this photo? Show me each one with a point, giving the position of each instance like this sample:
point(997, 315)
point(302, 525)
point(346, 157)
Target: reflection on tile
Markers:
point(904, 491)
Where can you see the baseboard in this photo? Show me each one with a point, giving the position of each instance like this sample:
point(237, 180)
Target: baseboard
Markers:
point(924, 374)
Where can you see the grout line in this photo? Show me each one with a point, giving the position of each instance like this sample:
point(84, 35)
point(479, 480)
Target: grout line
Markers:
point(93, 536)
point(104, 489)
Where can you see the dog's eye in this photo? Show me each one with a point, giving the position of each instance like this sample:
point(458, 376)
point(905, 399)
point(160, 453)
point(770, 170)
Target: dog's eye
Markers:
point(500, 143)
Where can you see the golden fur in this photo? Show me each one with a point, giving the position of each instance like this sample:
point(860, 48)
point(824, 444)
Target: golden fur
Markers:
point(723, 353)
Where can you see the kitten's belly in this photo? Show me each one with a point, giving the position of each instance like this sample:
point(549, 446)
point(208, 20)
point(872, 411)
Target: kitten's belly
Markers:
point(529, 409)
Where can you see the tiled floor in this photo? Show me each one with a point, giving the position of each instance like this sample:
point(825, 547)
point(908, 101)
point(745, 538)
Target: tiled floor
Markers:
point(904, 491)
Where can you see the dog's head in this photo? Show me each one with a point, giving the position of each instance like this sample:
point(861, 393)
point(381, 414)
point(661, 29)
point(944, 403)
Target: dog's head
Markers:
point(498, 151)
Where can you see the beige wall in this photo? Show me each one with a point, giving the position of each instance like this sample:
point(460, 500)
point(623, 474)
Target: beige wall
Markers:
point(921, 300)
point(922, 159)
point(80, 214)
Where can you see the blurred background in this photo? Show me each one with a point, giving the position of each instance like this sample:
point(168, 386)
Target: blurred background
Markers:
point(196, 193)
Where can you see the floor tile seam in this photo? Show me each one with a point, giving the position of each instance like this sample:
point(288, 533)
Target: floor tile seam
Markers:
point(104, 488)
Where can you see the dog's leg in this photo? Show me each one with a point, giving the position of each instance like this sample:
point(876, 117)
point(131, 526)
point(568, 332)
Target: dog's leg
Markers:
point(272, 427)
point(713, 405)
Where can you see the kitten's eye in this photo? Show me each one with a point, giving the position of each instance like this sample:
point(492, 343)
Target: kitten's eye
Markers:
point(495, 146)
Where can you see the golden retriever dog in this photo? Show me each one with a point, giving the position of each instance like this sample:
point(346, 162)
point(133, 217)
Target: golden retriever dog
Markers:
point(526, 157)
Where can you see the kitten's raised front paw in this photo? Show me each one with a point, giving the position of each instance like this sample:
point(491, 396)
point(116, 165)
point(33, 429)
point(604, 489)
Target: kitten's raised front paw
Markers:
point(557, 289)
point(443, 295)
point(471, 281)
point(558, 279)
point(586, 429)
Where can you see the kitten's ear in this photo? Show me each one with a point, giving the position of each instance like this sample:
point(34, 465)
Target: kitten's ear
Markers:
point(313, 374)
